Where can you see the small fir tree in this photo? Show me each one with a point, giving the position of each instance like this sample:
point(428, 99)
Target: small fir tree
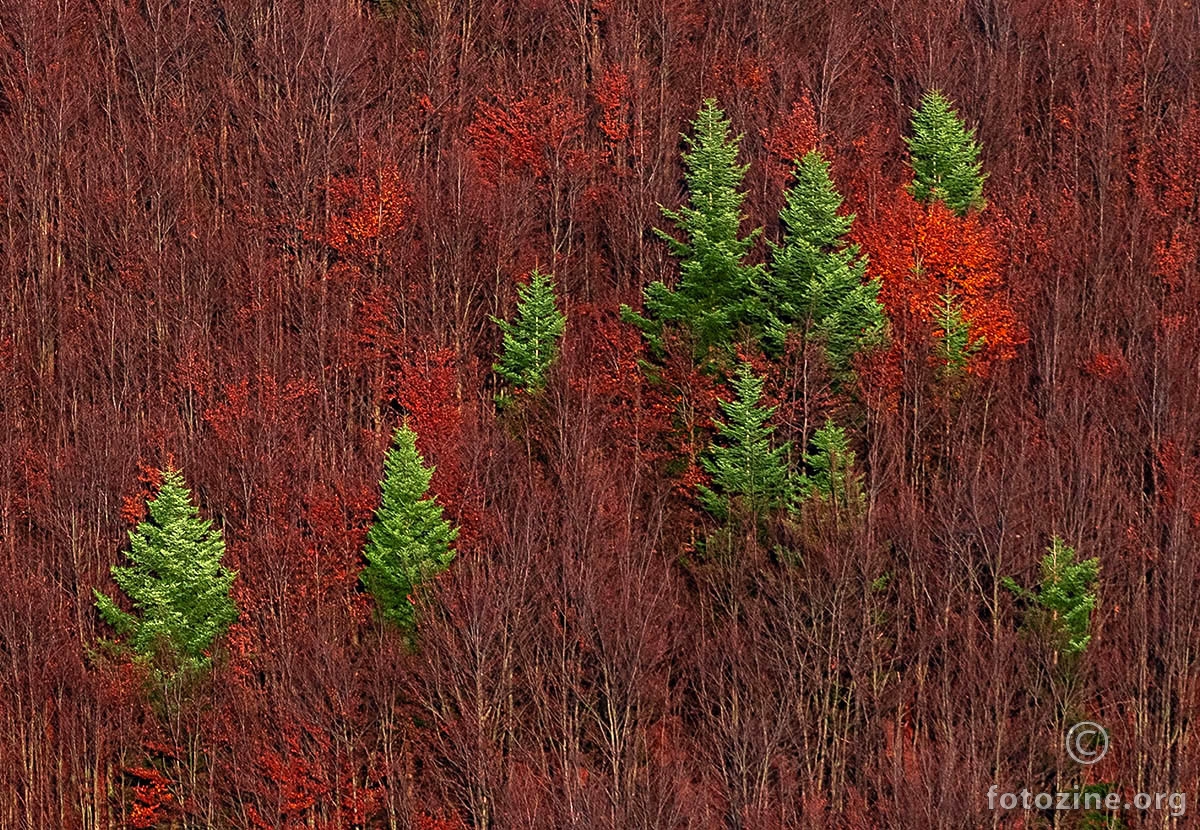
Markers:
point(717, 291)
point(179, 589)
point(409, 543)
point(531, 340)
point(1063, 602)
point(944, 157)
point(831, 476)
point(817, 282)
point(746, 468)
point(954, 345)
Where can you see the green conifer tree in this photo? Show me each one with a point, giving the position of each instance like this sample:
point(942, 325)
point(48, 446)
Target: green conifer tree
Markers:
point(1058, 612)
point(944, 157)
point(409, 543)
point(531, 340)
point(817, 282)
point(746, 468)
point(954, 346)
point(1064, 599)
point(717, 291)
point(831, 475)
point(178, 587)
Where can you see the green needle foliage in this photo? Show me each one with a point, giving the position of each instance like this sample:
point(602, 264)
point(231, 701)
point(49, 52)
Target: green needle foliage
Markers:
point(818, 282)
point(178, 587)
point(717, 291)
point(944, 157)
point(954, 346)
point(746, 468)
point(831, 477)
point(1064, 600)
point(531, 340)
point(409, 543)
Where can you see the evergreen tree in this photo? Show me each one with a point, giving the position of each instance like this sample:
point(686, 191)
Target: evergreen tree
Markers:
point(717, 291)
point(954, 347)
point(746, 468)
point(818, 279)
point(531, 339)
point(831, 475)
point(1064, 599)
point(179, 588)
point(409, 543)
point(944, 157)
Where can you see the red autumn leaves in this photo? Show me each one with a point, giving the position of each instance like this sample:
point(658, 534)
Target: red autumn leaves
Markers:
point(921, 254)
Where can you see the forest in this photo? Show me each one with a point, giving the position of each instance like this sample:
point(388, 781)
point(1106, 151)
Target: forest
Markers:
point(616, 414)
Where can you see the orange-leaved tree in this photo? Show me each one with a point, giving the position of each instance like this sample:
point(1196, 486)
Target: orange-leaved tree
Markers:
point(943, 288)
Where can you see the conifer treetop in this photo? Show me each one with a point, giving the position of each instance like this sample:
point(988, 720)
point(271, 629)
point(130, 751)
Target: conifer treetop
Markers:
point(531, 340)
point(944, 157)
point(817, 283)
point(954, 346)
point(717, 291)
point(831, 475)
point(1064, 598)
point(812, 212)
point(746, 467)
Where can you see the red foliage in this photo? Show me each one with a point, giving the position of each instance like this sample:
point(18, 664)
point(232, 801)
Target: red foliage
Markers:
point(1104, 365)
point(526, 136)
point(153, 801)
point(367, 211)
point(612, 93)
point(260, 237)
point(504, 141)
point(922, 253)
point(1175, 256)
point(133, 506)
point(791, 139)
point(430, 821)
point(639, 413)
point(426, 387)
point(251, 405)
point(194, 373)
point(368, 344)
point(693, 396)
point(300, 783)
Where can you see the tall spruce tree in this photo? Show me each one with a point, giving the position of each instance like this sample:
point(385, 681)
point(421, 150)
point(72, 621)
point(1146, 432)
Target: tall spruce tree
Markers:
point(179, 589)
point(745, 468)
point(531, 340)
point(944, 157)
point(817, 283)
point(409, 543)
point(717, 290)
